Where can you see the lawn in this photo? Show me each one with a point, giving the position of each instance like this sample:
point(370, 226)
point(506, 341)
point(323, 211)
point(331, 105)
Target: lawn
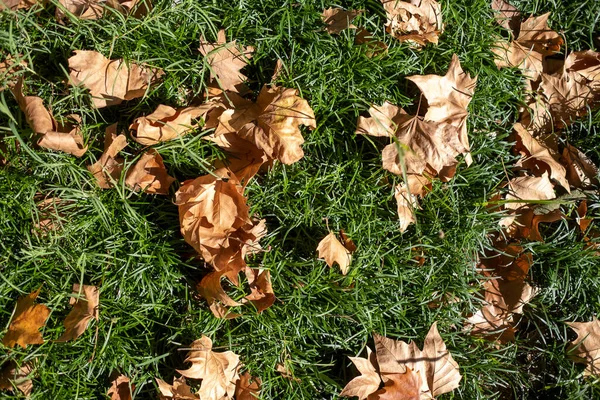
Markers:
point(129, 244)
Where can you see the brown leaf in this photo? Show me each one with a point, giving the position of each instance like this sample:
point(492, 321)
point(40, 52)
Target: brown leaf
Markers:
point(419, 21)
point(247, 387)
point(374, 47)
point(586, 348)
point(27, 319)
point(179, 390)
point(406, 386)
point(285, 372)
point(10, 68)
point(51, 135)
point(506, 15)
point(582, 221)
point(13, 376)
point(21, 4)
point(110, 82)
point(85, 303)
point(347, 242)
point(528, 189)
point(337, 19)
point(225, 61)
point(211, 289)
point(109, 166)
point(448, 97)
point(334, 252)
point(120, 388)
point(367, 382)
point(218, 371)
point(534, 42)
point(95, 9)
point(581, 171)
point(168, 123)
point(49, 218)
point(149, 174)
point(262, 295)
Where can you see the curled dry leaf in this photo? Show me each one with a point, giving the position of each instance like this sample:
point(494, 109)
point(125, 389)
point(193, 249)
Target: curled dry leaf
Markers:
point(109, 166)
point(12, 376)
point(337, 19)
point(586, 348)
point(419, 21)
point(218, 371)
point(272, 123)
point(225, 61)
point(406, 196)
point(526, 189)
point(27, 319)
point(334, 252)
point(110, 82)
point(534, 41)
point(149, 174)
point(179, 390)
point(51, 134)
point(95, 9)
point(85, 302)
point(286, 372)
point(247, 387)
point(168, 123)
point(262, 295)
point(21, 4)
point(368, 381)
point(120, 388)
point(219, 301)
point(581, 171)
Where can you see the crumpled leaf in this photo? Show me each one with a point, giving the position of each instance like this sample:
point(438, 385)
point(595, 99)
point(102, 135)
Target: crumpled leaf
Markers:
point(219, 301)
point(110, 82)
point(21, 4)
point(95, 9)
point(581, 171)
point(368, 381)
point(262, 295)
point(149, 174)
point(534, 41)
point(168, 123)
point(51, 135)
point(225, 61)
point(272, 123)
point(218, 371)
point(338, 19)
point(406, 386)
point(247, 387)
point(179, 390)
point(407, 195)
point(27, 319)
point(85, 303)
point(419, 21)
point(334, 252)
point(109, 166)
point(586, 348)
point(120, 388)
point(12, 376)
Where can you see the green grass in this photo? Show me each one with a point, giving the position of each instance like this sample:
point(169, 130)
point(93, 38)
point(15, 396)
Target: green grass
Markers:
point(129, 244)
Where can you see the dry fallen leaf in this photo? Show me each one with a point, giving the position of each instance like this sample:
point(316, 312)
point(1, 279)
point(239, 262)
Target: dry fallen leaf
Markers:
point(149, 174)
point(13, 376)
point(49, 217)
point(85, 302)
point(262, 295)
point(419, 21)
point(247, 387)
point(120, 388)
point(337, 19)
point(22, 4)
point(51, 134)
point(179, 390)
point(507, 16)
point(373, 46)
point(586, 348)
point(285, 372)
point(110, 82)
point(168, 123)
point(367, 382)
point(225, 61)
point(219, 301)
point(525, 189)
point(10, 68)
point(109, 166)
point(405, 386)
point(406, 196)
point(581, 171)
point(26, 321)
point(334, 252)
point(95, 9)
point(218, 371)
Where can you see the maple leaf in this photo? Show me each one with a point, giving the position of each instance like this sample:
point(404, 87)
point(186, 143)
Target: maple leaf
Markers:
point(438, 371)
point(506, 15)
point(120, 388)
point(586, 348)
point(11, 68)
point(21, 4)
point(272, 123)
point(109, 166)
point(374, 47)
point(534, 41)
point(95, 9)
point(581, 171)
point(219, 301)
point(448, 97)
point(337, 19)
point(149, 174)
point(584, 66)
point(528, 189)
point(110, 82)
point(27, 319)
point(12, 376)
point(225, 61)
point(85, 308)
point(406, 386)
point(419, 21)
point(334, 252)
point(52, 135)
point(179, 390)
point(262, 295)
point(168, 123)
point(406, 196)
point(247, 387)
point(368, 381)
point(218, 371)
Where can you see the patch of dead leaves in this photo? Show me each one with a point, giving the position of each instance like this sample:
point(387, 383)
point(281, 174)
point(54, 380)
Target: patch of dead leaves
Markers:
point(417, 21)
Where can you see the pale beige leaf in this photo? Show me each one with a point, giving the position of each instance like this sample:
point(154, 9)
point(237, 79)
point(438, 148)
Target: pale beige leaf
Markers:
point(179, 390)
point(586, 348)
point(528, 189)
point(334, 252)
point(85, 303)
point(367, 382)
point(337, 19)
point(419, 21)
point(506, 15)
point(441, 370)
point(406, 386)
point(247, 387)
point(262, 295)
point(581, 170)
